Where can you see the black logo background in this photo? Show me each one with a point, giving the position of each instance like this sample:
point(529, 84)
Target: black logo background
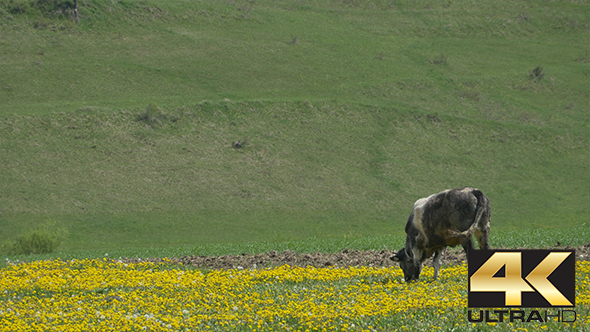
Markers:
point(563, 278)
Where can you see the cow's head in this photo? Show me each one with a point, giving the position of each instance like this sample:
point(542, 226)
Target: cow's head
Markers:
point(408, 264)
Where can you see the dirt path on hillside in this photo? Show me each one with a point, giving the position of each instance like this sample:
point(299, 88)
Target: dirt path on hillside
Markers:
point(341, 259)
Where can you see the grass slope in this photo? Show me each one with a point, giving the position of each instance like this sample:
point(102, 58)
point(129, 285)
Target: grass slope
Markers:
point(465, 59)
point(350, 111)
point(306, 169)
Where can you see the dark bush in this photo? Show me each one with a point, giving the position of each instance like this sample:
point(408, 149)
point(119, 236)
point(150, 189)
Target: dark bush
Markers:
point(18, 7)
point(50, 8)
point(537, 73)
point(56, 5)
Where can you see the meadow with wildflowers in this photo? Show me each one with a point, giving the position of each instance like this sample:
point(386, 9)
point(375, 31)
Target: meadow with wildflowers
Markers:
point(120, 128)
point(112, 295)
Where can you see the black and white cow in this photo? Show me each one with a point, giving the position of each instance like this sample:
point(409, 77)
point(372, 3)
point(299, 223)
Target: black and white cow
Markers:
point(442, 220)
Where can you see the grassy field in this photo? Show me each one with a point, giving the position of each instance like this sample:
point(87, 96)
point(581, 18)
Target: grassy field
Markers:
point(463, 59)
point(121, 129)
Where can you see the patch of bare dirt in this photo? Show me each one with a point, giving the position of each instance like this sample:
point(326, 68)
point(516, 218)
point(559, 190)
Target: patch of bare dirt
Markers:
point(341, 259)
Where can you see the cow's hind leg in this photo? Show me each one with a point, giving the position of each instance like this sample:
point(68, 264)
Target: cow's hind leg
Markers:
point(467, 245)
point(437, 262)
point(483, 238)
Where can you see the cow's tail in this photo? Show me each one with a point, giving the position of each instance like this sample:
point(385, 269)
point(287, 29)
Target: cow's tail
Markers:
point(482, 213)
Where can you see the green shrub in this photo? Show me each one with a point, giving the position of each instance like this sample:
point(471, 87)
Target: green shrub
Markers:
point(43, 240)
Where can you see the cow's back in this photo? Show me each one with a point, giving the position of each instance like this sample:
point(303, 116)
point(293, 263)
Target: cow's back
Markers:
point(449, 212)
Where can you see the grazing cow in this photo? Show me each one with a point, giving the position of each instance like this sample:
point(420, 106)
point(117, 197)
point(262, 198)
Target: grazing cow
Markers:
point(448, 218)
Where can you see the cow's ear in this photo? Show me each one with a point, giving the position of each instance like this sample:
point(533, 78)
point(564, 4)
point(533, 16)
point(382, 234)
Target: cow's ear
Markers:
point(398, 256)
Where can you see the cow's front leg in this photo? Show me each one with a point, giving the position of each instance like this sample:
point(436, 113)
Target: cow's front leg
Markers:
point(437, 262)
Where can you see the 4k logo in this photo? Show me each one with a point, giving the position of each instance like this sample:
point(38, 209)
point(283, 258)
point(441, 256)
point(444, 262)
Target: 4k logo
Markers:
point(521, 278)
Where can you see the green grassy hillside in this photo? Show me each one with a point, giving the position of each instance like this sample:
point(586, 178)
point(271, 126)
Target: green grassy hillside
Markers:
point(120, 127)
point(459, 58)
point(305, 169)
